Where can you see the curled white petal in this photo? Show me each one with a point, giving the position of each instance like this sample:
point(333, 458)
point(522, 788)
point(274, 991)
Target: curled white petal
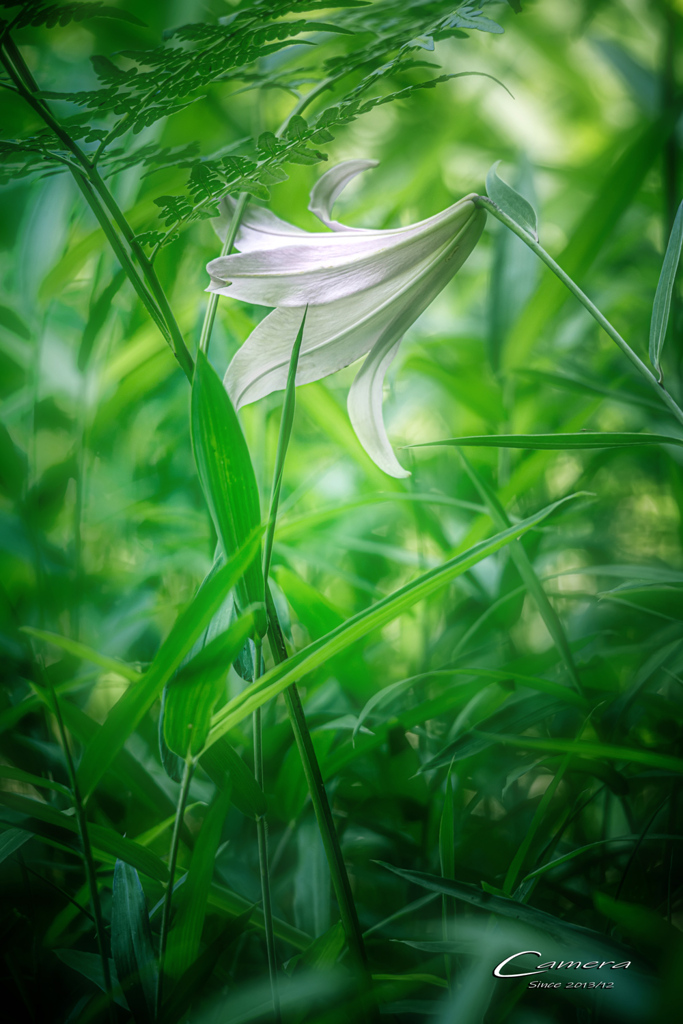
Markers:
point(340, 332)
point(323, 268)
point(328, 187)
point(364, 404)
point(259, 228)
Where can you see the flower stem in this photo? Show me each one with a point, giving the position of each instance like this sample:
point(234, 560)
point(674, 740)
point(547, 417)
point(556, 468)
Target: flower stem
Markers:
point(484, 203)
point(103, 205)
point(321, 804)
point(212, 305)
point(262, 836)
point(188, 772)
point(84, 835)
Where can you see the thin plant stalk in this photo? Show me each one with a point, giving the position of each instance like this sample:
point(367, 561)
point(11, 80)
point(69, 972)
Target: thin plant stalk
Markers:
point(484, 203)
point(297, 717)
point(262, 837)
point(84, 836)
point(188, 772)
point(212, 305)
point(103, 205)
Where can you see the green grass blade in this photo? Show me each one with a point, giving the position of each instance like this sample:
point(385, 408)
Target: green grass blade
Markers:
point(185, 936)
point(594, 229)
point(84, 653)
point(586, 748)
point(286, 423)
point(192, 694)
point(103, 839)
point(554, 926)
point(379, 614)
point(511, 202)
point(528, 575)
point(224, 766)
point(227, 477)
point(555, 442)
point(130, 709)
point(665, 287)
point(131, 943)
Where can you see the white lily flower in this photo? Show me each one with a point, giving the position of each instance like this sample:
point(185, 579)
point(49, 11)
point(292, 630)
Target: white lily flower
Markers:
point(363, 288)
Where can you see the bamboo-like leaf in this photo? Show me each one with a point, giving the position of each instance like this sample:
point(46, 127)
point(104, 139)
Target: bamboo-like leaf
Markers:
point(379, 614)
point(224, 766)
point(227, 476)
point(498, 675)
point(89, 965)
point(131, 943)
point(495, 904)
point(510, 718)
point(11, 840)
point(586, 748)
point(129, 710)
point(18, 775)
point(183, 942)
point(510, 202)
point(103, 839)
point(555, 442)
point(193, 693)
point(85, 653)
point(286, 423)
point(665, 286)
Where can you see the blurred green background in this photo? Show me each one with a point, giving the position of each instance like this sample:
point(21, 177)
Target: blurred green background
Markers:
point(104, 533)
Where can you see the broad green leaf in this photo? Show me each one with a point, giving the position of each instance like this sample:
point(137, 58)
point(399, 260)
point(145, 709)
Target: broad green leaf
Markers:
point(184, 938)
point(587, 239)
point(103, 839)
point(586, 748)
point(665, 287)
point(555, 442)
point(130, 709)
point(225, 767)
point(599, 843)
point(18, 775)
point(13, 465)
point(12, 322)
point(89, 965)
point(192, 694)
point(512, 717)
point(227, 477)
point(528, 575)
point(555, 927)
point(11, 840)
point(85, 653)
point(510, 202)
point(198, 974)
point(286, 423)
point(131, 943)
point(532, 682)
point(231, 903)
point(379, 614)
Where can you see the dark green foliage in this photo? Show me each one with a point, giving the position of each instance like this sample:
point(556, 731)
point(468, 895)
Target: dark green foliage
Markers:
point(493, 693)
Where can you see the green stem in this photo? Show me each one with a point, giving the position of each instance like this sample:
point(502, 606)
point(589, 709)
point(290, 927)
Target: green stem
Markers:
point(188, 772)
point(212, 306)
point(151, 293)
point(484, 203)
point(262, 836)
point(84, 835)
point(320, 801)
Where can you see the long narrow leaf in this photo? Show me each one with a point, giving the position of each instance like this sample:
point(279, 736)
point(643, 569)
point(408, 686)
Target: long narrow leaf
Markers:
point(183, 944)
point(227, 477)
point(379, 614)
point(555, 442)
point(665, 287)
point(129, 710)
point(131, 943)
